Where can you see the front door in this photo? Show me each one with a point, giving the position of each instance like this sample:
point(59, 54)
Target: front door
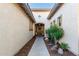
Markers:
point(39, 29)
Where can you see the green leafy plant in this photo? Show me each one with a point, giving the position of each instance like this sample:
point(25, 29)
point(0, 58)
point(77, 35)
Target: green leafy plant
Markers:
point(55, 33)
point(64, 46)
point(58, 34)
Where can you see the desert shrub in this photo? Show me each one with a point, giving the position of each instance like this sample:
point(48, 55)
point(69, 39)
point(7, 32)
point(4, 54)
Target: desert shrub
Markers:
point(55, 32)
point(64, 46)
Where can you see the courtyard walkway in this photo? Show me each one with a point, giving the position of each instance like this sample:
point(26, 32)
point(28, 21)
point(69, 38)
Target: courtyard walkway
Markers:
point(39, 48)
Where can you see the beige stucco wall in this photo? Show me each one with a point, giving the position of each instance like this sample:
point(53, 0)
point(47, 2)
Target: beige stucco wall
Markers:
point(14, 29)
point(33, 29)
point(43, 18)
point(69, 24)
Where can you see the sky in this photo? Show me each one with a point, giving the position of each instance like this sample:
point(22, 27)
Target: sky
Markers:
point(41, 5)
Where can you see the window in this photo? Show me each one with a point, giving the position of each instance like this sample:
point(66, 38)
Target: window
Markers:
point(59, 20)
point(54, 21)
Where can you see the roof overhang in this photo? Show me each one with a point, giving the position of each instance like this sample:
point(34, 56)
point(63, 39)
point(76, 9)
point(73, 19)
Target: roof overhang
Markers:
point(40, 9)
point(54, 10)
point(25, 7)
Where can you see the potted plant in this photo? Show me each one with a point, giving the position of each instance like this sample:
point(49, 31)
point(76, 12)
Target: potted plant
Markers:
point(63, 48)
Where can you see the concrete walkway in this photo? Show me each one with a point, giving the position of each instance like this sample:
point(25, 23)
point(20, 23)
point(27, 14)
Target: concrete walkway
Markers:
point(39, 48)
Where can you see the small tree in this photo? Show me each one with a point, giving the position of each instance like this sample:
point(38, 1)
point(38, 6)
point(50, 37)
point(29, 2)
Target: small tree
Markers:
point(55, 33)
